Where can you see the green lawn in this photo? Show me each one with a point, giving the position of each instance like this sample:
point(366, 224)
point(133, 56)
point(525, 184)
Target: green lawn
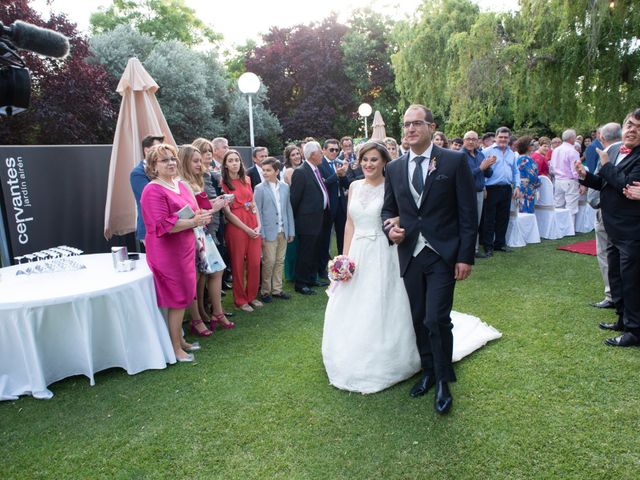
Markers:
point(548, 400)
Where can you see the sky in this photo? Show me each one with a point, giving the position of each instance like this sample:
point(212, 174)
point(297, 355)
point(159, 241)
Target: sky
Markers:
point(240, 20)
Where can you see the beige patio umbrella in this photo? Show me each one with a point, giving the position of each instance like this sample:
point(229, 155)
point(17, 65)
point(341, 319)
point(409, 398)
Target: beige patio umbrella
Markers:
point(379, 133)
point(140, 115)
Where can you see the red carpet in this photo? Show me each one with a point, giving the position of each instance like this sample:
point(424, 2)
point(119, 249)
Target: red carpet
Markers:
point(587, 248)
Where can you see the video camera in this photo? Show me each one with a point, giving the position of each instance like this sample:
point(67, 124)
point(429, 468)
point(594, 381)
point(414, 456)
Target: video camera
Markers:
point(15, 81)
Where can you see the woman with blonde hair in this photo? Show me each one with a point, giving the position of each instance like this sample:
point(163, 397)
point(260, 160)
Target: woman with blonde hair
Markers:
point(170, 214)
point(209, 263)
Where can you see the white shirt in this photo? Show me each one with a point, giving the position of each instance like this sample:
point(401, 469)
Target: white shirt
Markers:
point(322, 186)
point(275, 189)
point(259, 169)
point(621, 156)
point(426, 163)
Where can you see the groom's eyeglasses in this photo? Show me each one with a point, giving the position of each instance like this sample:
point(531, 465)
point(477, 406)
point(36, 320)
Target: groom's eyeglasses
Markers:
point(415, 123)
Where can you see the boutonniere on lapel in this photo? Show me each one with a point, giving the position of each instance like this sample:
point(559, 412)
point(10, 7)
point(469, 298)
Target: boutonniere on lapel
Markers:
point(433, 164)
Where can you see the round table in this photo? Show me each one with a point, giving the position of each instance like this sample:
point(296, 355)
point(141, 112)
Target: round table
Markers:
point(56, 325)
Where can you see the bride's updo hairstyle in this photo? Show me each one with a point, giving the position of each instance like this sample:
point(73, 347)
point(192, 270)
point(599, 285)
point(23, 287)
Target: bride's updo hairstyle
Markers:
point(382, 150)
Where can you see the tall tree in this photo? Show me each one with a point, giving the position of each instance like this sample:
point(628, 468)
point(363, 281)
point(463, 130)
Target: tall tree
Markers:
point(69, 98)
point(367, 49)
point(424, 59)
point(303, 69)
point(162, 19)
point(195, 94)
point(577, 63)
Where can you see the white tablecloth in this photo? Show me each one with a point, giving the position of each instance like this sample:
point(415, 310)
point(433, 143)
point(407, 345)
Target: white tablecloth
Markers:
point(55, 325)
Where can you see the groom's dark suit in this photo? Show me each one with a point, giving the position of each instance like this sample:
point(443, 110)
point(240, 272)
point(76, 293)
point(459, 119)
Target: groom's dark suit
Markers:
point(447, 218)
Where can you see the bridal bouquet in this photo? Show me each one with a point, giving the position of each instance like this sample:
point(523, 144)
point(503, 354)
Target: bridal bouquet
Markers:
point(341, 268)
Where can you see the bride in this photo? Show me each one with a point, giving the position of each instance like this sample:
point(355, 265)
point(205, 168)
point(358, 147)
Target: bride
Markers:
point(368, 342)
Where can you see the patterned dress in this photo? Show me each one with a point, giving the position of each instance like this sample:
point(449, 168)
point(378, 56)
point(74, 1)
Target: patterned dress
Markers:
point(529, 182)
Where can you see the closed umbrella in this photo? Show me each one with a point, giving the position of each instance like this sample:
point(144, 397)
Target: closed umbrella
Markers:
point(140, 115)
point(379, 133)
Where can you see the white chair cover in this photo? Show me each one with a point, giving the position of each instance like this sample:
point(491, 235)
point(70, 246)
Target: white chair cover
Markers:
point(586, 217)
point(553, 223)
point(522, 229)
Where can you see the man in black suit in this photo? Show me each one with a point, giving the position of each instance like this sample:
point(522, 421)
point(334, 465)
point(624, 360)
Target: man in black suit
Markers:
point(312, 214)
point(429, 211)
point(621, 217)
point(255, 172)
point(334, 174)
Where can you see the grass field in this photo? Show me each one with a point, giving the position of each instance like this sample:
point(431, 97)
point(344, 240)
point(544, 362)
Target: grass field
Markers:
point(548, 400)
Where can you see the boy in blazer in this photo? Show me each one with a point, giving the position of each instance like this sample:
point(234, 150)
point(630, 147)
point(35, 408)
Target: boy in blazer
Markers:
point(277, 228)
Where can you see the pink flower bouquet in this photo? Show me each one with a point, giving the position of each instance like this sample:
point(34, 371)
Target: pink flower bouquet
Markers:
point(341, 268)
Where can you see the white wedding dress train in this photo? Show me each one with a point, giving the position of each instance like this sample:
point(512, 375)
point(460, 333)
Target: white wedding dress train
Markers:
point(368, 342)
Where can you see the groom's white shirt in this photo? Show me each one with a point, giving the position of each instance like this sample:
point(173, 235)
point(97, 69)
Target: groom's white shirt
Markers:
point(426, 163)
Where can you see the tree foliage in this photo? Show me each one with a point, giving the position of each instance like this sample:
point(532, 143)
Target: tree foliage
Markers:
point(162, 19)
point(69, 98)
point(551, 65)
point(367, 49)
point(303, 69)
point(196, 97)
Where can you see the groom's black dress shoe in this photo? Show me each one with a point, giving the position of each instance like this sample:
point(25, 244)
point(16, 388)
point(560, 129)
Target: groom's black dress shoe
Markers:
point(627, 339)
point(444, 400)
point(504, 250)
point(422, 387)
point(611, 326)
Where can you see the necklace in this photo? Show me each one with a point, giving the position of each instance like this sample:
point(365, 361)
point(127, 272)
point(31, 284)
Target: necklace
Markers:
point(171, 186)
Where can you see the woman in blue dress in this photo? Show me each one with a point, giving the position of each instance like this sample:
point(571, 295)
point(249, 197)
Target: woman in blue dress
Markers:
point(529, 181)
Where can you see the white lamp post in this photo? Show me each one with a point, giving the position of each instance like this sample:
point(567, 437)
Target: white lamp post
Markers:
point(364, 110)
point(249, 84)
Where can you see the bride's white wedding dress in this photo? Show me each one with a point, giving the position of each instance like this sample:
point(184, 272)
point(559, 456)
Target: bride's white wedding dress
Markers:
point(368, 343)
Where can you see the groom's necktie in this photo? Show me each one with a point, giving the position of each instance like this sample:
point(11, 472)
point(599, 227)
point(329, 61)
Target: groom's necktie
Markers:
point(417, 180)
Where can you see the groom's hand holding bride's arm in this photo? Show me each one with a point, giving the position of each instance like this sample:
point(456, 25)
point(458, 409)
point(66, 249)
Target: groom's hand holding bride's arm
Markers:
point(462, 271)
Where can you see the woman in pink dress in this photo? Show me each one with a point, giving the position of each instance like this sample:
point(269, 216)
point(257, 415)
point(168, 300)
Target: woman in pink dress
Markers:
point(170, 242)
point(242, 233)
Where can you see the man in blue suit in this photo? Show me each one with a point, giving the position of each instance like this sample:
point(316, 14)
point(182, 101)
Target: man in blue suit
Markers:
point(139, 180)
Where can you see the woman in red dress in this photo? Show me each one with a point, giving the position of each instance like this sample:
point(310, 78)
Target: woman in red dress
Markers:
point(242, 233)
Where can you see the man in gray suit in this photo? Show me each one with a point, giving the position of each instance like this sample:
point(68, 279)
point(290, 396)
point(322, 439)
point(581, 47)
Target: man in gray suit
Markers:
point(276, 227)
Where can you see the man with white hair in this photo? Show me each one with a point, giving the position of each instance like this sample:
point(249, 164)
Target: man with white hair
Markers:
point(312, 214)
point(220, 147)
point(566, 190)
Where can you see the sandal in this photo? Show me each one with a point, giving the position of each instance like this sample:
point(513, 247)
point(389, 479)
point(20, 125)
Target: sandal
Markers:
point(222, 320)
point(246, 308)
point(200, 333)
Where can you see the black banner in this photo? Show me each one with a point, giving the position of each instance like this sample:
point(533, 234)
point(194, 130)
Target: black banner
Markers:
point(55, 195)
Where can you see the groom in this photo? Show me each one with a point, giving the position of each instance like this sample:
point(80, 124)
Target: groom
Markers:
point(431, 189)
